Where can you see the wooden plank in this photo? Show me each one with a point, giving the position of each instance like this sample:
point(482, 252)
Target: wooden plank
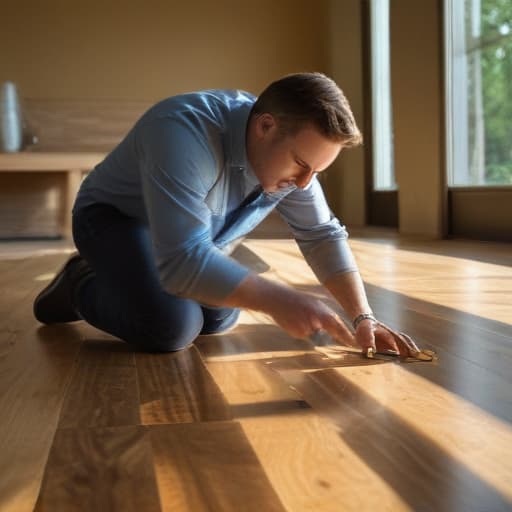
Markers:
point(103, 392)
point(407, 309)
point(100, 469)
point(177, 388)
point(20, 281)
point(35, 368)
point(469, 286)
point(309, 465)
point(209, 467)
point(253, 391)
point(101, 348)
point(82, 125)
point(422, 470)
point(312, 468)
point(464, 430)
point(33, 379)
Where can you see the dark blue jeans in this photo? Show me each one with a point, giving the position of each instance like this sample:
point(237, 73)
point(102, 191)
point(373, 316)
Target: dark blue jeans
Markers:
point(124, 297)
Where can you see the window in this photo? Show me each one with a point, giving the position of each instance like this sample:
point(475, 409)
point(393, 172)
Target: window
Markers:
point(382, 133)
point(479, 92)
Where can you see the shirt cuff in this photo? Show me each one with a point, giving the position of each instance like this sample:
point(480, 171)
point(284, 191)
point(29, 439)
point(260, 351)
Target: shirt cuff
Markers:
point(329, 257)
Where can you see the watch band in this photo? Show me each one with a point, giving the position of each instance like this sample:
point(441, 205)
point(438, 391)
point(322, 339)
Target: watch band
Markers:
point(365, 316)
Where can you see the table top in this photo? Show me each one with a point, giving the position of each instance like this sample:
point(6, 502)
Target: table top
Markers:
point(49, 161)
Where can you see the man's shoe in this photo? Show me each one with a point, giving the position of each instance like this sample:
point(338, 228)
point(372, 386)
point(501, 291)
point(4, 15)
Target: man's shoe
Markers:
point(55, 304)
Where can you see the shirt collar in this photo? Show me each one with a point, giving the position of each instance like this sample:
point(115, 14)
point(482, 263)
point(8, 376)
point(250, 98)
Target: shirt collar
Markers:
point(235, 138)
point(237, 126)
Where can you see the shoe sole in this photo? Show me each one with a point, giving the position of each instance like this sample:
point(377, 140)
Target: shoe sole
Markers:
point(51, 286)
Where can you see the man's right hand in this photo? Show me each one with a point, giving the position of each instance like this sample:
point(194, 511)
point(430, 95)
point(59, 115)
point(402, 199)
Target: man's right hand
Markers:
point(299, 314)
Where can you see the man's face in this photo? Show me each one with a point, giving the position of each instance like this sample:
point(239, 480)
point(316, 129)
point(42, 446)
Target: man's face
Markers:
point(282, 160)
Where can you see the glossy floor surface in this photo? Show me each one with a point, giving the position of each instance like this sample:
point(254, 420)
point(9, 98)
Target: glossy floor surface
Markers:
point(256, 420)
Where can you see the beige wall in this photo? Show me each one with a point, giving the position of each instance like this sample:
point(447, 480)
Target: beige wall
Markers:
point(152, 49)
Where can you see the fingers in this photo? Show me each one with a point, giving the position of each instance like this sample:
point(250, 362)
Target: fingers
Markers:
point(413, 348)
point(385, 341)
point(338, 330)
point(366, 338)
point(403, 342)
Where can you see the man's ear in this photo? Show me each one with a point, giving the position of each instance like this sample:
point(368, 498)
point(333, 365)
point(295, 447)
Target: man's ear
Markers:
point(265, 123)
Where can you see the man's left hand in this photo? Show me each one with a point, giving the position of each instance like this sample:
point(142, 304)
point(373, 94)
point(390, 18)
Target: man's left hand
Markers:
point(383, 339)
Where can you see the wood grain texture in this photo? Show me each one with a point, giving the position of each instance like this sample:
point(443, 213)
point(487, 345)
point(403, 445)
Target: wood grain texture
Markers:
point(424, 473)
point(82, 125)
point(103, 392)
point(302, 453)
point(210, 467)
point(34, 373)
point(312, 468)
point(100, 469)
point(30, 204)
point(256, 420)
point(177, 388)
point(251, 390)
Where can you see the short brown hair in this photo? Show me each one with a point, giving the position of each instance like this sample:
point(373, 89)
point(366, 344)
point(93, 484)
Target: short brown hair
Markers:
point(310, 98)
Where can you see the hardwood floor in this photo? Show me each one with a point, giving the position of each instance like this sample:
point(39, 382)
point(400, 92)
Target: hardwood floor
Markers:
point(256, 420)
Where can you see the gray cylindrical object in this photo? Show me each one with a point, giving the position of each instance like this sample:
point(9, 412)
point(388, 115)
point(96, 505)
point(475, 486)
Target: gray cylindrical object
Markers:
point(11, 130)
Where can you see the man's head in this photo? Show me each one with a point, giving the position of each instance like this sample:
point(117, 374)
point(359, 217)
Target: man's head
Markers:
point(297, 127)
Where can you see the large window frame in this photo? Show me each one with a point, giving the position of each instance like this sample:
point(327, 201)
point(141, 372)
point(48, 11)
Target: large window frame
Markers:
point(474, 211)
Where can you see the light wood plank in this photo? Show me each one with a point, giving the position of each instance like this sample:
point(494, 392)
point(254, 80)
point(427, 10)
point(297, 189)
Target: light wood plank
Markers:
point(422, 472)
point(209, 467)
point(309, 465)
point(252, 391)
point(462, 284)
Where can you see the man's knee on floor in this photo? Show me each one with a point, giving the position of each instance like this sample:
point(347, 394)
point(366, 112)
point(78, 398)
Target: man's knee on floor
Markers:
point(218, 320)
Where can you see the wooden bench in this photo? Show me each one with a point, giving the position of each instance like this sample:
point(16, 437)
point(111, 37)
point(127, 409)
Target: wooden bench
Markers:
point(70, 166)
point(38, 186)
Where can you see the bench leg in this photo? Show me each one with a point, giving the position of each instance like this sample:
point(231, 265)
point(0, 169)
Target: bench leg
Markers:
point(73, 181)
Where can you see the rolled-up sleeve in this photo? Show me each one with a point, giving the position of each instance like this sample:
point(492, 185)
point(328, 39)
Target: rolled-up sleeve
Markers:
point(177, 169)
point(322, 239)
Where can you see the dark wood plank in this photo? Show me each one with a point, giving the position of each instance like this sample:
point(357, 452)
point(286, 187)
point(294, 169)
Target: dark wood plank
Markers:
point(474, 362)
point(34, 375)
point(100, 469)
point(210, 467)
point(102, 349)
point(478, 329)
point(177, 388)
point(20, 281)
point(103, 391)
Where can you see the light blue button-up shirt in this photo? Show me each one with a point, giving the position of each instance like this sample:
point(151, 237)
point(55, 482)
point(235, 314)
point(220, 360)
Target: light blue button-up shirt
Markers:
point(183, 170)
